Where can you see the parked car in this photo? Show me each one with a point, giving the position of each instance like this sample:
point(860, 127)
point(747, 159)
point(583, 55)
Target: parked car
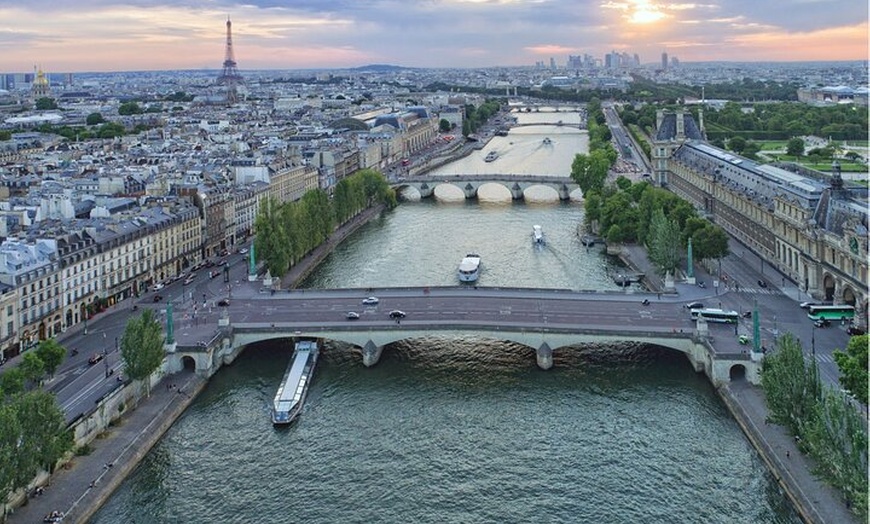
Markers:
point(855, 331)
point(397, 314)
point(695, 305)
point(158, 298)
point(95, 358)
point(370, 301)
point(352, 315)
point(806, 305)
point(224, 302)
point(243, 251)
point(189, 280)
point(822, 323)
point(157, 287)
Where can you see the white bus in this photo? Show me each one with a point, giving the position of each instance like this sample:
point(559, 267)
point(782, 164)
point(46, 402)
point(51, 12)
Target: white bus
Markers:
point(716, 315)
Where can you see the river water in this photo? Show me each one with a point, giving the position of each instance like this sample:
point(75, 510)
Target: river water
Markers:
point(459, 429)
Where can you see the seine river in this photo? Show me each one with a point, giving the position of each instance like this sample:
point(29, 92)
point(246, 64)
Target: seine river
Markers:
point(459, 429)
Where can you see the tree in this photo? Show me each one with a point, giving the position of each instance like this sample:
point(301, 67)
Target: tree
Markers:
point(46, 103)
point(795, 147)
point(142, 347)
point(94, 119)
point(790, 385)
point(444, 125)
point(51, 353)
point(32, 366)
point(664, 242)
point(12, 383)
point(710, 242)
point(853, 367)
point(129, 108)
point(590, 171)
point(737, 144)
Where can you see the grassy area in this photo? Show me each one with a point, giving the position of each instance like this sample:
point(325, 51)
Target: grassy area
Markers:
point(845, 167)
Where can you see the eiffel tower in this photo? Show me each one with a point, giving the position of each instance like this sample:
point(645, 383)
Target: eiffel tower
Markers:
point(230, 76)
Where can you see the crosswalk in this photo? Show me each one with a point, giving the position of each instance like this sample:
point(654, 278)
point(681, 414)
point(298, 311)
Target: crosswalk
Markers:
point(820, 358)
point(759, 290)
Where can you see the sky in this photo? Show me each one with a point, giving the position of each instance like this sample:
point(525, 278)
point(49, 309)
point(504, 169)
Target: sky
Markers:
point(109, 35)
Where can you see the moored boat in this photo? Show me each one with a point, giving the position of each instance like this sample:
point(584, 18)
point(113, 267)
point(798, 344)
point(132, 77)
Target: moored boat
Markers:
point(294, 387)
point(491, 156)
point(469, 268)
point(547, 141)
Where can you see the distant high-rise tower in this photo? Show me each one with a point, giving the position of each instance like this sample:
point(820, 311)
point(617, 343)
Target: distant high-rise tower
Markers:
point(664, 61)
point(230, 76)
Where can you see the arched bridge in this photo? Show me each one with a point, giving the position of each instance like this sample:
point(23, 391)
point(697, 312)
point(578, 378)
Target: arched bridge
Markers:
point(469, 184)
point(544, 320)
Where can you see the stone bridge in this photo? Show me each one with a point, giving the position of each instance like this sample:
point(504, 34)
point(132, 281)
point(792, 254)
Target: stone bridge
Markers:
point(469, 184)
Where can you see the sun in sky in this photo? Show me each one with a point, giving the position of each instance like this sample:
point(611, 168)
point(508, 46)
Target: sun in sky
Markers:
point(638, 11)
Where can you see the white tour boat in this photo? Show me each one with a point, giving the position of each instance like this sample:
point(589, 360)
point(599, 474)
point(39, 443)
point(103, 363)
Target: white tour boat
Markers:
point(469, 268)
point(538, 234)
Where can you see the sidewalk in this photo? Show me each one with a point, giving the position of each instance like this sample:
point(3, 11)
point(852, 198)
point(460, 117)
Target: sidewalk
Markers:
point(814, 499)
point(81, 487)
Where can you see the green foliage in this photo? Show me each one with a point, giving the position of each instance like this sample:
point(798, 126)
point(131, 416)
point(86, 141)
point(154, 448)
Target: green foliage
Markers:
point(51, 353)
point(786, 120)
point(709, 242)
point(12, 382)
point(737, 144)
point(94, 119)
point(130, 108)
point(444, 125)
point(287, 232)
point(110, 130)
point(5, 135)
point(795, 146)
point(33, 437)
point(853, 367)
point(476, 116)
point(830, 428)
point(180, 96)
point(142, 345)
point(590, 171)
point(663, 243)
point(46, 103)
point(32, 366)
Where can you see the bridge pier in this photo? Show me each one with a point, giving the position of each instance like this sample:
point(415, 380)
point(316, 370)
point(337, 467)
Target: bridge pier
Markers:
point(544, 356)
point(564, 192)
point(371, 353)
point(426, 190)
point(470, 191)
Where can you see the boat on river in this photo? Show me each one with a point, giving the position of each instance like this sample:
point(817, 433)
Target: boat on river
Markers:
point(547, 141)
point(537, 234)
point(491, 156)
point(469, 268)
point(294, 387)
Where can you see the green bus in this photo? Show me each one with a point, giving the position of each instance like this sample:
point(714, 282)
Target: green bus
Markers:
point(841, 312)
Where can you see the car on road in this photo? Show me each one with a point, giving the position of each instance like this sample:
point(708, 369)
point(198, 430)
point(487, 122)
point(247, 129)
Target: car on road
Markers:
point(822, 323)
point(370, 301)
point(190, 279)
point(158, 298)
point(397, 314)
point(224, 302)
point(855, 331)
point(157, 287)
point(352, 315)
point(762, 283)
point(695, 305)
point(95, 358)
point(243, 251)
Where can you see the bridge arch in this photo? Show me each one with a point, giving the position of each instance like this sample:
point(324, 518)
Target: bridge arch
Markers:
point(737, 372)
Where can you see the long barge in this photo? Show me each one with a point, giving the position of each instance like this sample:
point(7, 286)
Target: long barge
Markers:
point(294, 387)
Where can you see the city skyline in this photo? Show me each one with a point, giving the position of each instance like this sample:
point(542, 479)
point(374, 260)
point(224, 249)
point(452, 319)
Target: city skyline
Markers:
point(103, 35)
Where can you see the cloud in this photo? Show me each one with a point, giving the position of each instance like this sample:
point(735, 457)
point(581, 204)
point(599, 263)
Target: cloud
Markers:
point(88, 35)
